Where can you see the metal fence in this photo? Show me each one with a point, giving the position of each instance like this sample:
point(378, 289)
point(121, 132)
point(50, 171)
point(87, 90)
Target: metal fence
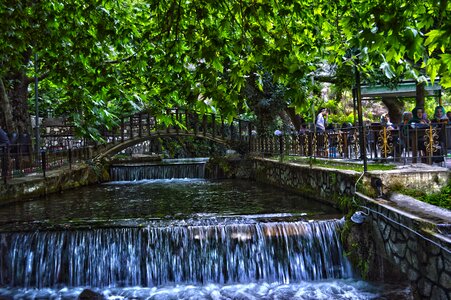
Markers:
point(17, 160)
point(404, 143)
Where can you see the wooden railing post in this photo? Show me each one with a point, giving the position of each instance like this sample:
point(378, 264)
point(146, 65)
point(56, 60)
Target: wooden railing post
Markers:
point(213, 125)
point(131, 127)
point(187, 116)
point(69, 158)
point(43, 162)
point(204, 124)
point(122, 130)
point(140, 134)
point(415, 146)
point(240, 129)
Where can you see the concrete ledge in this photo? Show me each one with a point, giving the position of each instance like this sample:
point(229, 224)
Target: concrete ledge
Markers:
point(34, 185)
point(414, 176)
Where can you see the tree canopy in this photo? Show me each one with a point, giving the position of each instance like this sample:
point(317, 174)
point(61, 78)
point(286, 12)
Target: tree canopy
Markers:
point(99, 59)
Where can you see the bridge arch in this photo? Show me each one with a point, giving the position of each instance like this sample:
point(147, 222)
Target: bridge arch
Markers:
point(112, 149)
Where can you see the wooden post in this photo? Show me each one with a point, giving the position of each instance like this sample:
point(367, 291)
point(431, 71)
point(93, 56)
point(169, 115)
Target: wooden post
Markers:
point(140, 133)
point(204, 124)
point(131, 127)
point(213, 125)
point(240, 129)
point(122, 130)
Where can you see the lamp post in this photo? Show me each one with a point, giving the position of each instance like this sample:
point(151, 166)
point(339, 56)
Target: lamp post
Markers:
point(358, 95)
point(38, 142)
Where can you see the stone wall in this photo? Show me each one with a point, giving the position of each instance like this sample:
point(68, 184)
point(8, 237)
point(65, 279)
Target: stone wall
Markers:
point(20, 189)
point(412, 244)
point(318, 183)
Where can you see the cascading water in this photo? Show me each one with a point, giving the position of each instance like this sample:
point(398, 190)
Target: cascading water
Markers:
point(167, 169)
point(155, 256)
point(176, 239)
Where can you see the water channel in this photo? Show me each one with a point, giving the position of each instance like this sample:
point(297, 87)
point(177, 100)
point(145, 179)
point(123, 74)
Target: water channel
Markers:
point(178, 239)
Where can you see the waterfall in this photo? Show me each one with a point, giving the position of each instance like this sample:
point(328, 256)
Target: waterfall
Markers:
point(176, 169)
point(189, 254)
point(130, 173)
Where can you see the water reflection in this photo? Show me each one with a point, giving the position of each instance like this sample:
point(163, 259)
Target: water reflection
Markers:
point(162, 199)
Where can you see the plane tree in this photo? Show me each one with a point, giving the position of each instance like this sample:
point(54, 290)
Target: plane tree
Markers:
point(103, 58)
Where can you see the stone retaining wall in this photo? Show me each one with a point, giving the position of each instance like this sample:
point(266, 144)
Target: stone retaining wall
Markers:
point(20, 189)
point(412, 244)
point(318, 183)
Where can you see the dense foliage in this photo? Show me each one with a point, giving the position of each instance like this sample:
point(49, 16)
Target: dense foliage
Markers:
point(442, 198)
point(103, 58)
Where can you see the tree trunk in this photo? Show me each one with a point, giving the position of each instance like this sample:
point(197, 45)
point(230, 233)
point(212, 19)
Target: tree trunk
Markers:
point(295, 118)
point(420, 95)
point(18, 98)
point(6, 113)
point(395, 108)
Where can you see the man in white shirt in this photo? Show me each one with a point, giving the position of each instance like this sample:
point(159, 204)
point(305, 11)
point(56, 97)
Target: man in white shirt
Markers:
point(320, 120)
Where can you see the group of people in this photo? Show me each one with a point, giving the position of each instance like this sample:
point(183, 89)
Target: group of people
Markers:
point(15, 143)
point(418, 118)
point(4, 139)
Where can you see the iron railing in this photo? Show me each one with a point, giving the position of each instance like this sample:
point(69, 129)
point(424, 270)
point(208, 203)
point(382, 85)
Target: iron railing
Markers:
point(404, 143)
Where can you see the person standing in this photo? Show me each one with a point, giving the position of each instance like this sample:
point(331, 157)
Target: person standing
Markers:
point(4, 140)
point(440, 116)
point(385, 121)
point(419, 124)
point(439, 121)
point(321, 120)
point(418, 120)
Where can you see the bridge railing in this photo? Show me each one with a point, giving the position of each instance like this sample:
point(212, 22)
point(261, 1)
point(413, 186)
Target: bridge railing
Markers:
point(16, 160)
point(403, 143)
point(178, 121)
point(60, 146)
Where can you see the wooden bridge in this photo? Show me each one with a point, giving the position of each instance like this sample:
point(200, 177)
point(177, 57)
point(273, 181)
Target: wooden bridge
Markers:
point(145, 126)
